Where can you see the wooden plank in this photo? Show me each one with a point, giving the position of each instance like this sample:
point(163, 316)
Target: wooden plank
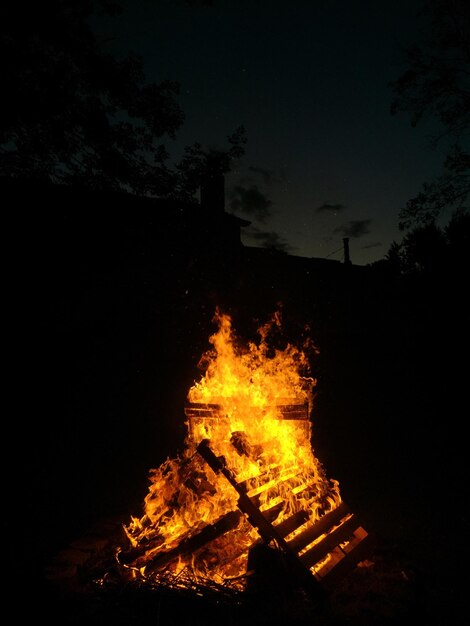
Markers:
point(271, 473)
point(270, 490)
point(273, 504)
point(293, 522)
point(310, 484)
point(269, 495)
point(287, 411)
point(193, 408)
point(320, 527)
point(272, 513)
point(271, 484)
point(347, 563)
point(330, 541)
point(328, 563)
point(359, 534)
point(293, 411)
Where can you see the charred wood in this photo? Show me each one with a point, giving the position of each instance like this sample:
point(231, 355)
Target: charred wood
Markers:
point(292, 523)
point(191, 544)
point(267, 531)
point(330, 541)
point(320, 527)
point(141, 554)
point(348, 562)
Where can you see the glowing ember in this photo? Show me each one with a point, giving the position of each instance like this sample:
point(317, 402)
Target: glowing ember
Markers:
point(251, 410)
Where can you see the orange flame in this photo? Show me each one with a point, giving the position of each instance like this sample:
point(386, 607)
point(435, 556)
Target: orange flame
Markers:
point(253, 404)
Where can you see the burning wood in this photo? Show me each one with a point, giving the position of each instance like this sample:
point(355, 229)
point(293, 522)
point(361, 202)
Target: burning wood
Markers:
point(247, 478)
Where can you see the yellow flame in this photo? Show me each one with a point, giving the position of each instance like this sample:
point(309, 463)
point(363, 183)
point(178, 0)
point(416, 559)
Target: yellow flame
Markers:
point(243, 396)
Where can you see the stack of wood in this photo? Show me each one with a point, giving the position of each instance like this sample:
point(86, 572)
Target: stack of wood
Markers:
point(311, 555)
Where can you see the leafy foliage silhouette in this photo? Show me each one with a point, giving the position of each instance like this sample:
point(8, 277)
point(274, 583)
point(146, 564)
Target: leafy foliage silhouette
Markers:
point(74, 114)
point(436, 85)
point(428, 249)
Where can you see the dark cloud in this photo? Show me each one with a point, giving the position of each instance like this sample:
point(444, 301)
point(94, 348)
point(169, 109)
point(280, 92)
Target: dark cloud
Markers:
point(330, 208)
point(268, 176)
point(376, 244)
point(354, 228)
point(251, 201)
point(269, 239)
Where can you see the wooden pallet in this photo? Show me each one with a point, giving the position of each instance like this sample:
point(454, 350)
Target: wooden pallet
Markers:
point(319, 553)
point(315, 553)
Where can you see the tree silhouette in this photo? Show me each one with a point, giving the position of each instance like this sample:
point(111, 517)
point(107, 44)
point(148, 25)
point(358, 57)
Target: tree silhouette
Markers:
point(74, 114)
point(437, 85)
point(428, 249)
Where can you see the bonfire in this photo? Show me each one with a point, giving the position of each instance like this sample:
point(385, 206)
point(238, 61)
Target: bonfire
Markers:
point(247, 479)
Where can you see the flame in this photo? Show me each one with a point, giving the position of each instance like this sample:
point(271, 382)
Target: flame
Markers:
point(243, 404)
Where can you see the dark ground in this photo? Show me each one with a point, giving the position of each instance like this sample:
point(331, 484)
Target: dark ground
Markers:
point(108, 348)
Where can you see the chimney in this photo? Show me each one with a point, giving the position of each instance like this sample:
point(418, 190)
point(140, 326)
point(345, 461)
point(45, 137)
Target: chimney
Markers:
point(213, 192)
point(347, 260)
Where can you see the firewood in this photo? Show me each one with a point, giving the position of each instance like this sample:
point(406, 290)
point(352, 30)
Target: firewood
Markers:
point(190, 545)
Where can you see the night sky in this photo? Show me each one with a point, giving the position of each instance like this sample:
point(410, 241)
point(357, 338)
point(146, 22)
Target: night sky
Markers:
point(309, 81)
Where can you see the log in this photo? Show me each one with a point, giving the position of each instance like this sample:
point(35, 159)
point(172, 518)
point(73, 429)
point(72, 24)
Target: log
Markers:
point(207, 534)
